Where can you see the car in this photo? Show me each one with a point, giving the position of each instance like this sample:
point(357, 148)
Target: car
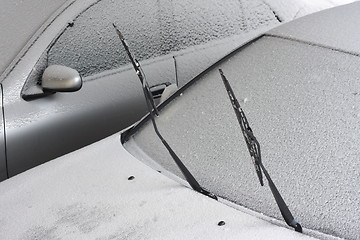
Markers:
point(297, 89)
point(66, 81)
point(45, 116)
point(127, 186)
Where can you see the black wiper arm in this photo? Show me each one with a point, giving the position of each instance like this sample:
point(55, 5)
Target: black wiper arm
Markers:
point(151, 105)
point(254, 150)
point(138, 70)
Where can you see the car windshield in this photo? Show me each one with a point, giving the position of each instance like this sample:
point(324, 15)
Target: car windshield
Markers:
point(302, 104)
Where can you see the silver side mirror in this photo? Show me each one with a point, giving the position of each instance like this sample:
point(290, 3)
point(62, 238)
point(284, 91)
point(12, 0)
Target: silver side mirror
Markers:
point(57, 78)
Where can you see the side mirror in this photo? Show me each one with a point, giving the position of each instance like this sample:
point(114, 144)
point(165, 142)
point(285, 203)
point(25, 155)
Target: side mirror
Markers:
point(57, 78)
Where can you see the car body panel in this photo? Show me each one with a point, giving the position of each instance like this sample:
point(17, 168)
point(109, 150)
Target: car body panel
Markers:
point(87, 195)
point(48, 127)
point(3, 165)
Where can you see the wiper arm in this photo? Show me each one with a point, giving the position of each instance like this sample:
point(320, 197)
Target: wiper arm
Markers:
point(254, 150)
point(151, 106)
point(138, 70)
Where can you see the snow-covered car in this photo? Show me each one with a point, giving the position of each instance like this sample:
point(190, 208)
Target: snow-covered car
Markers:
point(39, 122)
point(128, 186)
point(298, 93)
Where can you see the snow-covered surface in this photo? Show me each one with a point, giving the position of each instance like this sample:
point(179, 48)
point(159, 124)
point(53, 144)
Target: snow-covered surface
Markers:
point(316, 28)
point(289, 10)
point(158, 28)
point(152, 29)
point(19, 20)
point(302, 102)
point(190, 61)
point(87, 195)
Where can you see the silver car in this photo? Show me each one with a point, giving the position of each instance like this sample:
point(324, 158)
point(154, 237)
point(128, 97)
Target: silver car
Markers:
point(298, 93)
point(66, 81)
point(296, 88)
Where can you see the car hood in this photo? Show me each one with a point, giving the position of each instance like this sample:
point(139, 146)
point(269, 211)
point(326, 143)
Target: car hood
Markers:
point(101, 191)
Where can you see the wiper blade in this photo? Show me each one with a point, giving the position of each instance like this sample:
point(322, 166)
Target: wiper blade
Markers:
point(151, 106)
point(254, 150)
point(251, 142)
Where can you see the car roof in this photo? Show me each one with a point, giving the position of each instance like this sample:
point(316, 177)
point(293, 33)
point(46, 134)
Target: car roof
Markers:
point(336, 28)
point(19, 21)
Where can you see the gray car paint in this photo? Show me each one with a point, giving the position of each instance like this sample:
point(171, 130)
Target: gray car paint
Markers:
point(19, 113)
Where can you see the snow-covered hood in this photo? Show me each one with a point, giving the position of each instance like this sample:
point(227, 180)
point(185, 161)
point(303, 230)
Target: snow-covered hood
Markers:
point(102, 192)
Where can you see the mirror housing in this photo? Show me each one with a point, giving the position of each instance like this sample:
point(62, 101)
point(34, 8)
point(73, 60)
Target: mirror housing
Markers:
point(57, 78)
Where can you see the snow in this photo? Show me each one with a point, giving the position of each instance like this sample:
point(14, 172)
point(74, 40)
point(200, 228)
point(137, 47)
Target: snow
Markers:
point(296, 9)
point(344, 20)
point(173, 23)
point(302, 104)
point(19, 21)
point(87, 195)
point(152, 29)
point(158, 28)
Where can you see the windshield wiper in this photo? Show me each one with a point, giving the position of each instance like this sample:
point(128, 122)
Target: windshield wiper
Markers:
point(152, 108)
point(139, 72)
point(254, 150)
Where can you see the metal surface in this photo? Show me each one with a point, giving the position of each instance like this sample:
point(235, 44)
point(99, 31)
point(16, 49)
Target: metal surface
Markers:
point(45, 128)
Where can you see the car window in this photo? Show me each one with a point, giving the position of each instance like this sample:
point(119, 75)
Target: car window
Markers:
point(302, 104)
point(152, 28)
